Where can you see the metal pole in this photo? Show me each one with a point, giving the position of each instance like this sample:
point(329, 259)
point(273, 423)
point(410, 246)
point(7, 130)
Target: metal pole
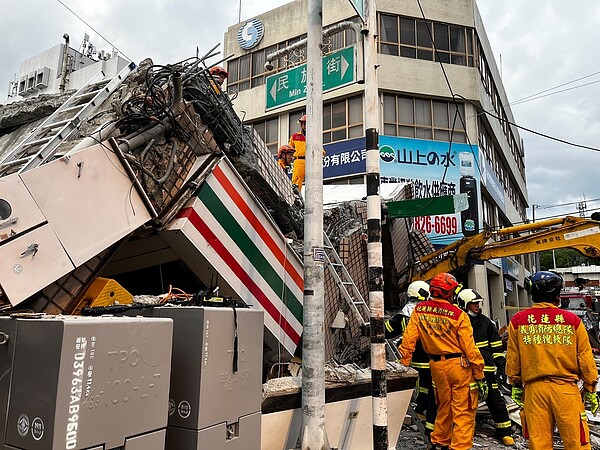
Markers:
point(374, 248)
point(313, 435)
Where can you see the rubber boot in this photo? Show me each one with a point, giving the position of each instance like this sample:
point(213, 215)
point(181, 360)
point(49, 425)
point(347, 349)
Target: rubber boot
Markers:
point(508, 441)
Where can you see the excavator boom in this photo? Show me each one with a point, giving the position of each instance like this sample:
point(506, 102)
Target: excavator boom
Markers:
point(568, 232)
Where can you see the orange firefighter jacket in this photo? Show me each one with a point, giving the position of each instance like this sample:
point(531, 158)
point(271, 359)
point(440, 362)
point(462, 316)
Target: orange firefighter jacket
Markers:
point(283, 165)
point(545, 341)
point(298, 141)
point(443, 329)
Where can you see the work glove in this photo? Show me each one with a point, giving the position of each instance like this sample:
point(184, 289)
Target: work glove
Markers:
point(591, 397)
point(517, 395)
point(501, 370)
point(483, 389)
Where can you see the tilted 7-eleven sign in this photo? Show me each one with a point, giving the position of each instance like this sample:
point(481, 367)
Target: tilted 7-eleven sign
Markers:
point(224, 230)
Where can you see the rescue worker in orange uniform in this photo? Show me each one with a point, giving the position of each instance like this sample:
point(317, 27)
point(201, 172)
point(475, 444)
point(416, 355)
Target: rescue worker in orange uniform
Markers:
point(489, 344)
point(285, 157)
point(426, 409)
point(219, 75)
point(298, 143)
point(548, 353)
point(456, 365)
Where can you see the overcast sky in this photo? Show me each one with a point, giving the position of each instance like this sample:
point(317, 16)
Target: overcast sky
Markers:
point(541, 46)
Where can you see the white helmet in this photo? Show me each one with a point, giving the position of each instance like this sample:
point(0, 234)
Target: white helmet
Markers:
point(466, 296)
point(418, 290)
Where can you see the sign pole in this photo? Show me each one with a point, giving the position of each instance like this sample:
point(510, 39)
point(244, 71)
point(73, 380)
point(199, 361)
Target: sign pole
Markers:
point(313, 433)
point(374, 247)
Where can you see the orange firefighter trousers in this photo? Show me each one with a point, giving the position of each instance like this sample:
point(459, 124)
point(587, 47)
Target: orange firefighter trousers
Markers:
point(456, 395)
point(550, 402)
point(298, 172)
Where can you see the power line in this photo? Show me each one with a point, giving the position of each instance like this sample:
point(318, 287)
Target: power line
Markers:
point(547, 136)
point(527, 98)
point(95, 31)
point(565, 204)
point(518, 102)
point(572, 213)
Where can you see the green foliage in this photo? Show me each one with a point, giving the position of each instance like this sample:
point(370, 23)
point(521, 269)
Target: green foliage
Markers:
point(565, 257)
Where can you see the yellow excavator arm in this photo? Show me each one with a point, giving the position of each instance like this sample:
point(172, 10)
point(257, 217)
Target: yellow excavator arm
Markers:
point(572, 232)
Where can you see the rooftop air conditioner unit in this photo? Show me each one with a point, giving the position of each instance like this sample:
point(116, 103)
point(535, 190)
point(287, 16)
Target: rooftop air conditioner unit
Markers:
point(41, 77)
point(31, 82)
point(22, 90)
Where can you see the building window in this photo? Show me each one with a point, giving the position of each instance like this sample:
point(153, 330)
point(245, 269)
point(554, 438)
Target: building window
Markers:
point(423, 119)
point(248, 71)
point(490, 219)
point(420, 39)
point(339, 40)
point(268, 130)
point(342, 120)
point(360, 179)
point(294, 125)
point(500, 113)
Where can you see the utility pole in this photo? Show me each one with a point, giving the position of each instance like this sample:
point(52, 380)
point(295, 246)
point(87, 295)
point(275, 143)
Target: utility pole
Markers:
point(374, 247)
point(313, 434)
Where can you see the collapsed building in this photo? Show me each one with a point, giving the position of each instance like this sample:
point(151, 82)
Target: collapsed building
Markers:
point(147, 188)
point(162, 149)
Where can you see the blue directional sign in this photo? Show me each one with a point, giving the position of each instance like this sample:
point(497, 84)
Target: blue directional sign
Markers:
point(290, 85)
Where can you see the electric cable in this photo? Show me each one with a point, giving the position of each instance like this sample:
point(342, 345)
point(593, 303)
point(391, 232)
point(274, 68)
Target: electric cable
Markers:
point(535, 96)
point(94, 30)
point(547, 136)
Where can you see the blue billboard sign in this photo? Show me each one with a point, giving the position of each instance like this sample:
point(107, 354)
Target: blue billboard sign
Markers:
point(492, 183)
point(435, 168)
point(345, 158)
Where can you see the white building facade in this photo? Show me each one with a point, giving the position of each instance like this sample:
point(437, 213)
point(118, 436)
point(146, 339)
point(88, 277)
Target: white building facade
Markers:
point(436, 75)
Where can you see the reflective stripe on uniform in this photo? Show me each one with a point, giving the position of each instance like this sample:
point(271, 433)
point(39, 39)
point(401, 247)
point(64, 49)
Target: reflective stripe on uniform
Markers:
point(482, 344)
point(419, 365)
point(503, 424)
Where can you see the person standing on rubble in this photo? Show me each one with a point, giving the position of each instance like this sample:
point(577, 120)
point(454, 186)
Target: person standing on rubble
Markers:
point(218, 75)
point(489, 344)
point(298, 143)
point(548, 353)
point(455, 362)
point(285, 158)
point(425, 409)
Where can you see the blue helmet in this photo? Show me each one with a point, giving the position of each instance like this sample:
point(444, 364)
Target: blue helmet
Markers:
point(544, 285)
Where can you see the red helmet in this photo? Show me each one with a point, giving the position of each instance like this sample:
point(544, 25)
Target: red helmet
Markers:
point(284, 150)
point(218, 70)
point(443, 285)
point(303, 118)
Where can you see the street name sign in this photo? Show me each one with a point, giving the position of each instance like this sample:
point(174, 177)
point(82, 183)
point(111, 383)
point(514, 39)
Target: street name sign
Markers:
point(446, 204)
point(290, 85)
point(359, 7)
